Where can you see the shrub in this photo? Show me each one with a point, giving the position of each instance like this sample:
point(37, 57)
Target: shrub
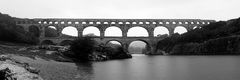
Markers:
point(82, 48)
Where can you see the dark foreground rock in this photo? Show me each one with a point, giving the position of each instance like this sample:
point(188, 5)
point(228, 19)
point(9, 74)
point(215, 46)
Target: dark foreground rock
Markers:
point(11, 69)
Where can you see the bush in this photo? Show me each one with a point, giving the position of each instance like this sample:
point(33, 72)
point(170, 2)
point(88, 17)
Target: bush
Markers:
point(114, 51)
point(82, 48)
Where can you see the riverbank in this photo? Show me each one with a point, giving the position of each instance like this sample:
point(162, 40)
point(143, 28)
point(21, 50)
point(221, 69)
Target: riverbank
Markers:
point(11, 69)
point(56, 53)
point(31, 51)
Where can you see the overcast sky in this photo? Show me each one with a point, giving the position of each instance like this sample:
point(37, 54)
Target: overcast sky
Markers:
point(150, 9)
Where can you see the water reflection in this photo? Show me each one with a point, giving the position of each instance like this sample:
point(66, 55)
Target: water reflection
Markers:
point(85, 71)
point(169, 68)
point(143, 68)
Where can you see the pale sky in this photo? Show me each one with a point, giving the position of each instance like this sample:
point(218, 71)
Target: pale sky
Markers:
point(150, 9)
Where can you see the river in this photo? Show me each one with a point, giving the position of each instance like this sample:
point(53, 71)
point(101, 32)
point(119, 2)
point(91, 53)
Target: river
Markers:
point(142, 67)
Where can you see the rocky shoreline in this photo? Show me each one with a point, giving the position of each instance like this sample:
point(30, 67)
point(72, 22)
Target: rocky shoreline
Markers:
point(11, 69)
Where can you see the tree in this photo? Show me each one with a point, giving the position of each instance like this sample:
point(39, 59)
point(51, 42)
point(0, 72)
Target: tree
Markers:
point(82, 48)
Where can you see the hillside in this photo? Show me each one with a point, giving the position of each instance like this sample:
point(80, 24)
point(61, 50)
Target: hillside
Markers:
point(10, 32)
point(210, 39)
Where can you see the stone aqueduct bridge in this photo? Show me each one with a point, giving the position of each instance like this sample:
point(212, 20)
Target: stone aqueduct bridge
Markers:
point(103, 24)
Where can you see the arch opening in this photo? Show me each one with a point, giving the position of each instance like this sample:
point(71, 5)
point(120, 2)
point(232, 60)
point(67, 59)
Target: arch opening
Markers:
point(160, 31)
point(91, 31)
point(34, 30)
point(113, 43)
point(47, 42)
point(180, 30)
point(138, 47)
point(113, 32)
point(70, 31)
point(51, 31)
point(195, 27)
point(66, 43)
point(137, 32)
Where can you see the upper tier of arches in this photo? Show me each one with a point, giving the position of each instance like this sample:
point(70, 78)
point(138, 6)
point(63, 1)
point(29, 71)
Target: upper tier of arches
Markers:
point(115, 21)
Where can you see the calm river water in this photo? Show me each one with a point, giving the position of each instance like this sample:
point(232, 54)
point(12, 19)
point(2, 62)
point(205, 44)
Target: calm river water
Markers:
point(142, 67)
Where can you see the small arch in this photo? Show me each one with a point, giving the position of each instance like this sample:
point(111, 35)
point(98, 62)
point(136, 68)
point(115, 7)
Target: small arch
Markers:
point(120, 22)
point(39, 22)
point(113, 31)
point(70, 31)
point(51, 31)
point(34, 30)
point(127, 23)
point(154, 22)
point(134, 22)
point(140, 22)
point(203, 22)
point(160, 30)
point(66, 43)
point(173, 22)
point(192, 22)
point(90, 22)
point(47, 42)
point(180, 30)
point(76, 22)
point(98, 22)
point(208, 22)
point(91, 31)
point(50, 22)
point(160, 22)
point(186, 22)
point(137, 32)
point(167, 22)
point(180, 23)
point(195, 27)
point(55, 22)
point(105, 23)
point(113, 22)
point(147, 22)
point(45, 22)
point(62, 22)
point(113, 42)
point(84, 22)
point(139, 47)
point(198, 22)
point(69, 22)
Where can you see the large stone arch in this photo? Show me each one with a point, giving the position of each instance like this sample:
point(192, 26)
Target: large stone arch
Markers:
point(51, 31)
point(65, 42)
point(180, 29)
point(34, 30)
point(140, 33)
point(114, 40)
point(47, 42)
point(148, 45)
point(92, 31)
point(160, 30)
point(118, 32)
point(70, 31)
